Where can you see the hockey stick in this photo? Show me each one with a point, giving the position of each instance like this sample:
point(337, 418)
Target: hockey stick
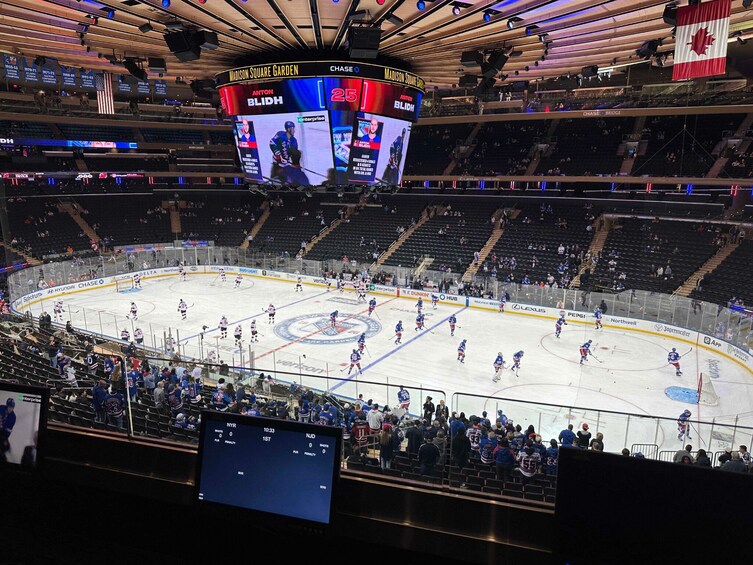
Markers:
point(367, 349)
point(594, 356)
point(684, 354)
point(341, 370)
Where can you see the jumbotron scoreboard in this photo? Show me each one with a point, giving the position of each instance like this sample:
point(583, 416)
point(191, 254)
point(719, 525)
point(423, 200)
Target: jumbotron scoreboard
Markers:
point(321, 122)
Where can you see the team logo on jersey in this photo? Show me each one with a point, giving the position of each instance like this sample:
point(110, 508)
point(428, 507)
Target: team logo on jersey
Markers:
point(316, 329)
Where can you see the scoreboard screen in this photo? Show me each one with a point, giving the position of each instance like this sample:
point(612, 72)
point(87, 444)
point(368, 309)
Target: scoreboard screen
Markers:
point(344, 130)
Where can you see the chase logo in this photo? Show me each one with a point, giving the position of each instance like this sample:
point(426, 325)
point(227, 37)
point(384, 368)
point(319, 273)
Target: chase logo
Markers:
point(316, 329)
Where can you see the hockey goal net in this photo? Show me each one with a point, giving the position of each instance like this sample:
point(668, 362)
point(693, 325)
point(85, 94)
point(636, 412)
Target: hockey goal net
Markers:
point(123, 283)
point(706, 393)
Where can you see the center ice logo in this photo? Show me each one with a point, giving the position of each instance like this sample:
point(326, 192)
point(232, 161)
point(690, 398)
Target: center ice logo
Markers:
point(316, 329)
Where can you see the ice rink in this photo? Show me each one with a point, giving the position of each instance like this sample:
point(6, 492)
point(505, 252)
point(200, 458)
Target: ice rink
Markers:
point(629, 373)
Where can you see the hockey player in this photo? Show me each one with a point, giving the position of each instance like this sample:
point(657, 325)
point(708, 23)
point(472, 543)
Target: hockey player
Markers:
point(223, 327)
point(502, 302)
point(558, 326)
point(403, 396)
point(181, 272)
point(57, 309)
point(673, 358)
point(238, 280)
point(597, 315)
point(461, 351)
point(372, 305)
point(340, 285)
point(362, 292)
point(361, 342)
point(271, 312)
point(420, 305)
point(125, 335)
point(333, 319)
point(138, 335)
point(399, 332)
point(683, 425)
point(452, 320)
point(329, 284)
point(223, 276)
point(516, 362)
point(287, 157)
point(355, 361)
point(585, 351)
point(182, 308)
point(499, 363)
point(434, 301)
point(299, 285)
point(254, 332)
point(237, 334)
point(137, 281)
point(419, 321)
point(134, 312)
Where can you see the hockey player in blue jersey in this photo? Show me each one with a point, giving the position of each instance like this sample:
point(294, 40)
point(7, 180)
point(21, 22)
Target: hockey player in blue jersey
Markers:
point(499, 363)
point(287, 157)
point(355, 361)
point(333, 319)
point(452, 320)
point(673, 358)
point(420, 305)
point(597, 315)
point(434, 301)
point(558, 326)
point(683, 425)
point(461, 351)
point(419, 322)
point(398, 332)
point(372, 305)
point(7, 422)
point(516, 362)
point(392, 171)
point(361, 342)
point(403, 396)
point(585, 351)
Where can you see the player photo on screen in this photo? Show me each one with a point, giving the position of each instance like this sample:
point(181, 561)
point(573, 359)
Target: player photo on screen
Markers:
point(293, 148)
point(377, 152)
point(19, 427)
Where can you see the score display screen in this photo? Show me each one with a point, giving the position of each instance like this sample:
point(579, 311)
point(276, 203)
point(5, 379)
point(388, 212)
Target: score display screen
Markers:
point(345, 102)
point(278, 467)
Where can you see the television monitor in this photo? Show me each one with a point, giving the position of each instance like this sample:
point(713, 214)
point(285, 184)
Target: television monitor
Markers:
point(272, 467)
point(23, 420)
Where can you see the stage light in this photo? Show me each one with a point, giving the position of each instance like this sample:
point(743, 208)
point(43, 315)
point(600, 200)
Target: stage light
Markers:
point(145, 28)
point(510, 24)
point(110, 14)
point(487, 17)
point(165, 3)
point(421, 4)
point(456, 10)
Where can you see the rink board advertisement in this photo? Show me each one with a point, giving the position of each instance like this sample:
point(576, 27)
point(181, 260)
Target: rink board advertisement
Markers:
point(23, 303)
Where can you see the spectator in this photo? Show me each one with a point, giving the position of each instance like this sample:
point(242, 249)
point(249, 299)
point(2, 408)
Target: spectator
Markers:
point(375, 418)
point(682, 453)
point(726, 456)
point(702, 460)
point(159, 396)
point(99, 393)
point(487, 446)
point(567, 437)
point(552, 458)
point(504, 461)
point(114, 405)
point(584, 437)
point(428, 456)
point(386, 447)
point(597, 444)
point(441, 442)
point(734, 465)
point(428, 409)
point(442, 411)
point(745, 456)
point(460, 447)
point(529, 462)
point(626, 452)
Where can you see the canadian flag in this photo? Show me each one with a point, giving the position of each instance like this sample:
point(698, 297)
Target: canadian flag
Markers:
point(701, 40)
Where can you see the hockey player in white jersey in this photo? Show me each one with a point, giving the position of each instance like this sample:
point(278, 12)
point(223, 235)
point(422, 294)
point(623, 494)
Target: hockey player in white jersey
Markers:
point(223, 327)
point(223, 276)
point(238, 280)
point(133, 313)
point(271, 312)
point(182, 308)
point(299, 285)
point(238, 334)
point(57, 310)
point(254, 332)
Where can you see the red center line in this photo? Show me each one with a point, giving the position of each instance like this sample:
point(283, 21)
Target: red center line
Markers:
point(308, 335)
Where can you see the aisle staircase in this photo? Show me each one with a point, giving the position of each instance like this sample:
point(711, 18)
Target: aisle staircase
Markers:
point(83, 224)
point(687, 287)
point(628, 162)
point(467, 143)
point(494, 237)
point(258, 225)
point(28, 258)
point(425, 217)
point(349, 211)
point(596, 247)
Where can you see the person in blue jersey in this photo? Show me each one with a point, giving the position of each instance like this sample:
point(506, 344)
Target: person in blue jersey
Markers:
point(193, 391)
point(287, 156)
point(452, 320)
point(355, 361)
point(461, 351)
point(399, 332)
point(585, 351)
point(175, 399)
point(499, 363)
point(673, 358)
point(361, 342)
point(221, 399)
point(504, 461)
point(372, 133)
point(403, 397)
point(419, 322)
point(333, 319)
point(304, 410)
point(484, 420)
point(551, 459)
point(558, 326)
point(420, 305)
point(516, 361)
point(392, 171)
point(683, 425)
point(567, 436)
point(99, 393)
point(114, 405)
point(487, 445)
point(372, 305)
point(434, 301)
point(597, 315)
point(502, 302)
point(132, 378)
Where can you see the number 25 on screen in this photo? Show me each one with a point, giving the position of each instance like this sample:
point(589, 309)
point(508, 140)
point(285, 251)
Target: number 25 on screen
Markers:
point(344, 95)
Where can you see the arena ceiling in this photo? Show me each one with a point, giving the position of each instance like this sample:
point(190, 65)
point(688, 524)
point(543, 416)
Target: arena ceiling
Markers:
point(579, 33)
